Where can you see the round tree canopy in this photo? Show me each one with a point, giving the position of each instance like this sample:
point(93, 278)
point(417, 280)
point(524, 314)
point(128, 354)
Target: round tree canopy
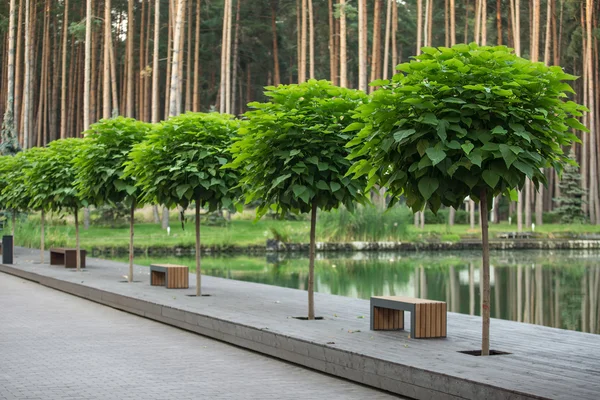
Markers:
point(462, 119)
point(38, 186)
point(14, 193)
point(291, 152)
point(59, 169)
point(181, 160)
point(101, 162)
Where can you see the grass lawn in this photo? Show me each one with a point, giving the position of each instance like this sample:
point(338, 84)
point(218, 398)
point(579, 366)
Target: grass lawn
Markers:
point(244, 232)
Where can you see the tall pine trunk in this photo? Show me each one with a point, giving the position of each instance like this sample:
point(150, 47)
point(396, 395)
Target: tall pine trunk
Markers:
point(129, 62)
point(362, 45)
point(195, 89)
point(276, 74)
point(343, 48)
point(8, 123)
point(175, 78)
point(155, 66)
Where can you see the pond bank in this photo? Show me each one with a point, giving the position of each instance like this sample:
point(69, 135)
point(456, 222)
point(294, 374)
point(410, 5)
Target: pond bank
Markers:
point(277, 246)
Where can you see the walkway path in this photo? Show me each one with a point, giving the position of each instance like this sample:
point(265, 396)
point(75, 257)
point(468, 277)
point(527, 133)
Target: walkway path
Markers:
point(57, 346)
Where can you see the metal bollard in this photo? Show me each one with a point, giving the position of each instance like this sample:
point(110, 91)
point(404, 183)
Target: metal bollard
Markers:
point(7, 249)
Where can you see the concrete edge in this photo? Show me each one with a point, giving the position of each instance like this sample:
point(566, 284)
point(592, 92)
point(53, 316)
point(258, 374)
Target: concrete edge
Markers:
point(381, 374)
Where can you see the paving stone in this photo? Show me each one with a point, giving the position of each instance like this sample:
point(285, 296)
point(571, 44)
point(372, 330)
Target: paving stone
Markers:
point(57, 346)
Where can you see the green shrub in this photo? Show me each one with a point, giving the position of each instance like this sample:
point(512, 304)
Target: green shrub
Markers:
point(366, 223)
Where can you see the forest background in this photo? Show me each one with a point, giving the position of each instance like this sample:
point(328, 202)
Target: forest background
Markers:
point(150, 59)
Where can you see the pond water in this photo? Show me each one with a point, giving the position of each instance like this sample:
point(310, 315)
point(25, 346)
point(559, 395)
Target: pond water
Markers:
point(554, 288)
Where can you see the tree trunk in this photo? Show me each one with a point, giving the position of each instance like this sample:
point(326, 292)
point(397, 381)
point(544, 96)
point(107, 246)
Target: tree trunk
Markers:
point(593, 195)
point(394, 34)
point(42, 239)
point(165, 217)
point(106, 67)
point(195, 89)
point(77, 251)
point(485, 292)
point(451, 216)
point(276, 74)
point(311, 41)
point(311, 263)
point(198, 249)
point(332, 47)
point(188, 70)
point(472, 213)
point(155, 214)
point(14, 223)
point(362, 45)
point(236, 39)
point(113, 79)
point(129, 62)
point(303, 40)
point(175, 78)
point(375, 51)
point(388, 29)
point(446, 24)
point(27, 83)
point(224, 54)
point(169, 60)
point(86, 218)
point(18, 75)
point(420, 26)
point(8, 124)
point(131, 250)
point(343, 49)
point(155, 66)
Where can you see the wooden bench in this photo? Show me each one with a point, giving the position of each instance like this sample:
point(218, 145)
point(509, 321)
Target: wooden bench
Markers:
point(169, 275)
point(427, 317)
point(66, 257)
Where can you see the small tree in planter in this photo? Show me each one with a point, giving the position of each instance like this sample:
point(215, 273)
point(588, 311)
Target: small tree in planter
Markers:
point(101, 165)
point(14, 195)
point(180, 162)
point(39, 187)
point(466, 121)
point(58, 168)
point(292, 155)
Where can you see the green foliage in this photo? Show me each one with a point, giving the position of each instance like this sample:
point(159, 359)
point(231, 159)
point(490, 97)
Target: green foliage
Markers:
point(572, 196)
point(291, 153)
point(38, 185)
point(366, 223)
point(462, 119)
point(14, 194)
point(101, 162)
point(59, 170)
point(181, 161)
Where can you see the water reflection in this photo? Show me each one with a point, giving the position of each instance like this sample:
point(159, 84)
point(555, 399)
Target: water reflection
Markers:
point(558, 289)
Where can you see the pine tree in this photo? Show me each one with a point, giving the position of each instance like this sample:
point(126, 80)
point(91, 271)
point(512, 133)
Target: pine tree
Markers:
point(573, 196)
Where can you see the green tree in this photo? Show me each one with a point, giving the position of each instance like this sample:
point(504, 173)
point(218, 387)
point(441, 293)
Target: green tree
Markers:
point(101, 165)
point(14, 195)
point(39, 188)
point(180, 163)
point(466, 121)
point(292, 156)
point(58, 169)
point(572, 196)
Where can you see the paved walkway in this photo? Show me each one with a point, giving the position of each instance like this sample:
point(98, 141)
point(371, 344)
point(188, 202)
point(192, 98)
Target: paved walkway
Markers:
point(57, 346)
